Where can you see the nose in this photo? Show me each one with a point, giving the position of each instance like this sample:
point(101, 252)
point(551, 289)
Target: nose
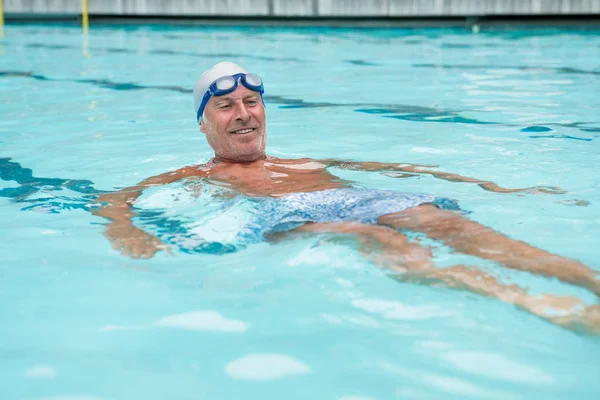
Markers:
point(242, 112)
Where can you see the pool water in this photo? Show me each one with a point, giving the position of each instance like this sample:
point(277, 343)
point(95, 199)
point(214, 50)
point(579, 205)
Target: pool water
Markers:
point(304, 318)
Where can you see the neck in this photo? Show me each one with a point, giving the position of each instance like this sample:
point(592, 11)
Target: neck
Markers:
point(240, 160)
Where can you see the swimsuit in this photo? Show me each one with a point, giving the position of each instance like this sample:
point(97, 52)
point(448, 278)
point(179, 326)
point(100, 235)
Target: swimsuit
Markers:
point(246, 220)
point(334, 205)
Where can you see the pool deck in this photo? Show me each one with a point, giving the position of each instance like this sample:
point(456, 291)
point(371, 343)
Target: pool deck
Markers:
point(310, 9)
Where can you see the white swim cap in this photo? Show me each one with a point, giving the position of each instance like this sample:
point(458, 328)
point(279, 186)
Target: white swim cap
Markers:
point(224, 68)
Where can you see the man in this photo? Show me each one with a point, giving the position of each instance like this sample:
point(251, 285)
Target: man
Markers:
point(302, 196)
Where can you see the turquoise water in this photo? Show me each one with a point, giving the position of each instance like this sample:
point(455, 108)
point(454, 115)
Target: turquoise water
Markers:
point(307, 318)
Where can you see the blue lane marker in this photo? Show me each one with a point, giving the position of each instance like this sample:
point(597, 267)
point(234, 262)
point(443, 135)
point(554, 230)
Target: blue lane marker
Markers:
point(536, 128)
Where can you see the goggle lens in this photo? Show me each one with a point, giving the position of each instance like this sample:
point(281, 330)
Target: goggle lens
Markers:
point(225, 83)
point(253, 79)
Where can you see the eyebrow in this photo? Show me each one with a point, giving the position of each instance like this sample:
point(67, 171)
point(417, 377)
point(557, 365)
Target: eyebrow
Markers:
point(229, 98)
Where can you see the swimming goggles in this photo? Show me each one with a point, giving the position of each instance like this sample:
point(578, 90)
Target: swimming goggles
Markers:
point(227, 84)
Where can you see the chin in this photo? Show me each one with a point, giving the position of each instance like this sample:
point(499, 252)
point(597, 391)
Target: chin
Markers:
point(252, 149)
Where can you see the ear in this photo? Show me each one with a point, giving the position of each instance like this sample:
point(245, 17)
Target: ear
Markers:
point(202, 125)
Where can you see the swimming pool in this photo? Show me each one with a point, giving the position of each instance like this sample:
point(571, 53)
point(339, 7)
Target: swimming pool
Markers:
point(305, 318)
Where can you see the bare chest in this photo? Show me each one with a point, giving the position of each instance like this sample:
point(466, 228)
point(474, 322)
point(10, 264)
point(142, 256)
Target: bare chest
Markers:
point(274, 180)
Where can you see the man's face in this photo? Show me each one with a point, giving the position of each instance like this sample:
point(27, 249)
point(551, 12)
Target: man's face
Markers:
point(234, 125)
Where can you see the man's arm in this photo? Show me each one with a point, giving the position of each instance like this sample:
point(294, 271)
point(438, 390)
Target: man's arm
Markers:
point(424, 170)
point(117, 208)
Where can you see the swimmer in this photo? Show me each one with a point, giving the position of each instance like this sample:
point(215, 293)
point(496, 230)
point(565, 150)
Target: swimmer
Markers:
point(302, 196)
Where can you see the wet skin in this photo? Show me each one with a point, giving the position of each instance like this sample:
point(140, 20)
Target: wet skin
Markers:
point(235, 128)
point(273, 176)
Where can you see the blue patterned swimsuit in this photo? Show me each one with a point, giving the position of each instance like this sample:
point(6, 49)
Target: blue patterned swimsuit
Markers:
point(333, 205)
point(246, 220)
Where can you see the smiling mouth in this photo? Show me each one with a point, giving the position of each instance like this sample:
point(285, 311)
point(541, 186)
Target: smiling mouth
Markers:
point(243, 131)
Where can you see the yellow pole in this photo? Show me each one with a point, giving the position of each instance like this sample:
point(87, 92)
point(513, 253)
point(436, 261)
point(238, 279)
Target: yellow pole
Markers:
point(85, 24)
point(84, 15)
point(1, 20)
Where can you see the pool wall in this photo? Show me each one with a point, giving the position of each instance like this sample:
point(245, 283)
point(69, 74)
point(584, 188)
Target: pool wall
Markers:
point(308, 8)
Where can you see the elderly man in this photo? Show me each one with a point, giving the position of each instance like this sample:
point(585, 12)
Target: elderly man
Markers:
point(302, 196)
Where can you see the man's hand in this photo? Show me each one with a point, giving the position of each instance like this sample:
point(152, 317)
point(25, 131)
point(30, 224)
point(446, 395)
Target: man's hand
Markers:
point(133, 241)
point(492, 187)
point(116, 207)
point(544, 190)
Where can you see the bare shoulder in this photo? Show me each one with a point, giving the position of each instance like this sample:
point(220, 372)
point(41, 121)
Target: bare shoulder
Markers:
point(200, 171)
